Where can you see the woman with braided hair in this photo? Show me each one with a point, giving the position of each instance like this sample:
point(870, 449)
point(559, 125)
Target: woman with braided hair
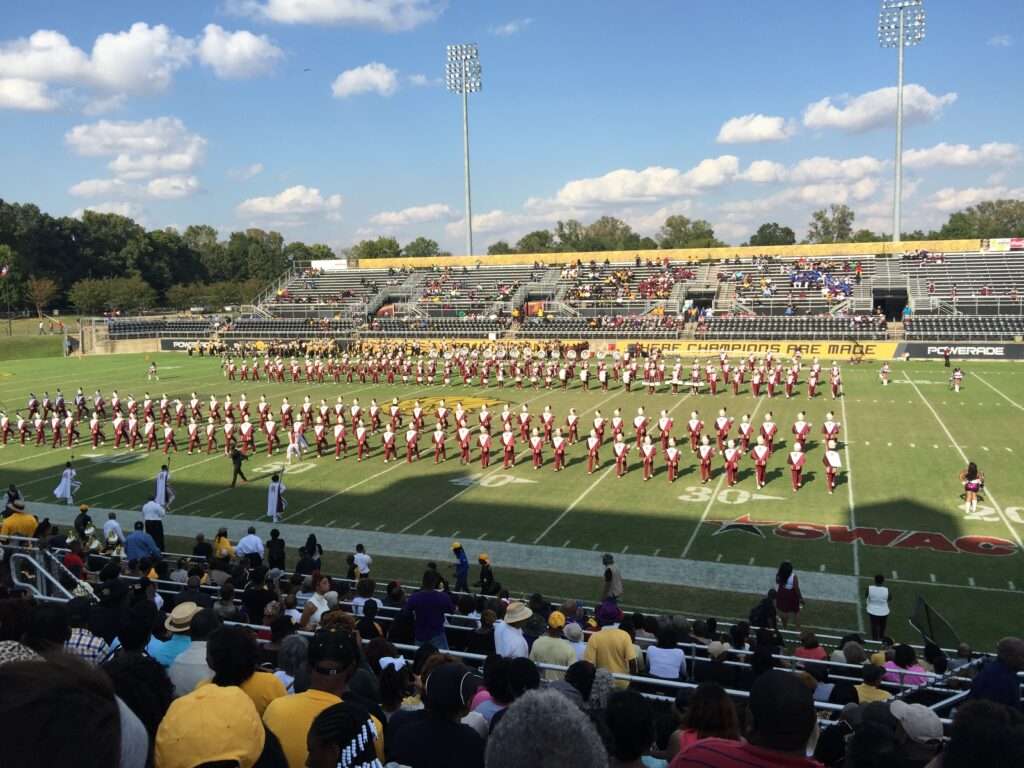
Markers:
point(342, 736)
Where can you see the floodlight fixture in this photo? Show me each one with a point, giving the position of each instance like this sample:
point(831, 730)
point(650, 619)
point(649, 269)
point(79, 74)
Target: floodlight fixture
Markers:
point(462, 75)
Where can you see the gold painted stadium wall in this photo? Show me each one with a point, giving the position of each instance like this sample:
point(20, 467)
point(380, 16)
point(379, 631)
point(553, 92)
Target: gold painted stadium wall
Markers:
point(682, 254)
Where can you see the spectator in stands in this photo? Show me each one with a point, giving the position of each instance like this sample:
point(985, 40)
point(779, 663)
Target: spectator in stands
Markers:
point(317, 604)
point(878, 599)
point(508, 631)
point(810, 648)
point(574, 634)
point(142, 684)
point(871, 687)
point(82, 642)
point(193, 592)
point(919, 732)
point(709, 714)
point(666, 660)
point(481, 640)
point(225, 607)
point(984, 733)
point(250, 547)
point(435, 737)
point(232, 655)
point(716, 668)
point(611, 648)
point(259, 592)
point(904, 667)
point(342, 737)
point(202, 550)
point(139, 544)
point(496, 693)
point(553, 648)
point(765, 614)
point(275, 549)
point(223, 551)
point(180, 572)
point(190, 666)
point(428, 607)
point(998, 679)
point(314, 550)
point(788, 600)
point(782, 721)
point(48, 629)
point(630, 725)
point(363, 561)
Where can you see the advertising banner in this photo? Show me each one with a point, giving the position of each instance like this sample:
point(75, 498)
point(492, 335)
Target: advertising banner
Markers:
point(840, 350)
point(962, 351)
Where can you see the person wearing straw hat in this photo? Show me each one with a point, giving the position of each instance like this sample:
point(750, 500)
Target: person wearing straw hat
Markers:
point(508, 633)
point(18, 522)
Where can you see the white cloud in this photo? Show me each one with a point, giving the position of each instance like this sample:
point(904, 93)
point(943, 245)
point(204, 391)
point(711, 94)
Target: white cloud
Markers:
point(98, 188)
point(1000, 41)
point(651, 184)
point(764, 172)
point(140, 59)
point(140, 149)
point(961, 155)
point(19, 93)
point(369, 78)
point(246, 172)
point(950, 199)
point(820, 168)
point(237, 54)
point(294, 201)
point(422, 81)
point(874, 108)
point(392, 15)
point(510, 28)
point(755, 128)
point(122, 208)
point(105, 104)
point(417, 214)
point(172, 187)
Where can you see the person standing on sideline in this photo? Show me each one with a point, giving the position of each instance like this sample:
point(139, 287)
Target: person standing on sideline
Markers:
point(275, 550)
point(973, 481)
point(237, 457)
point(461, 568)
point(612, 588)
point(164, 492)
point(878, 599)
point(788, 599)
point(153, 518)
point(68, 485)
point(275, 498)
point(363, 562)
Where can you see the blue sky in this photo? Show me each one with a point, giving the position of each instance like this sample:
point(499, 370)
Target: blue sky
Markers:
point(326, 119)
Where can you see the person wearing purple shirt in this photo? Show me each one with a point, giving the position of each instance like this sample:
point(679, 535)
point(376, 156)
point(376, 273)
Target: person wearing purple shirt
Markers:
point(428, 607)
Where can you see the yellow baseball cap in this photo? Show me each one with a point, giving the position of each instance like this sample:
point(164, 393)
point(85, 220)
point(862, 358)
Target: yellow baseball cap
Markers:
point(456, 545)
point(483, 557)
point(556, 620)
point(209, 725)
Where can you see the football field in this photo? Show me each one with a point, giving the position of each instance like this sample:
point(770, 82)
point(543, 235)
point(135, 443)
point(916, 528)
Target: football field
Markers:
point(896, 510)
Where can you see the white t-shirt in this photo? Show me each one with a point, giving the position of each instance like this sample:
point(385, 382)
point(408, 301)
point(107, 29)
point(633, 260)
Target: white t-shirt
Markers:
point(509, 641)
point(878, 601)
point(363, 562)
point(665, 662)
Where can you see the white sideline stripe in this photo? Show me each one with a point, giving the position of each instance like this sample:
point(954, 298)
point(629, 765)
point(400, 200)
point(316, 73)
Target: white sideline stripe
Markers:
point(711, 501)
point(853, 507)
point(999, 392)
point(988, 494)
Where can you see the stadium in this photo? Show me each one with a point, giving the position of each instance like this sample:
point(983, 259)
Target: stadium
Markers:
point(607, 475)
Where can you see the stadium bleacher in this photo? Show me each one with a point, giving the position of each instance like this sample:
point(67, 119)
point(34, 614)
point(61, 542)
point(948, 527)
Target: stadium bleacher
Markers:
point(855, 327)
point(963, 328)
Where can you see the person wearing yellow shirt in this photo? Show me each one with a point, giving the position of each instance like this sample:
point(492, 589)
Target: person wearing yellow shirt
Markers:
point(611, 648)
point(19, 522)
point(333, 657)
point(870, 690)
point(232, 654)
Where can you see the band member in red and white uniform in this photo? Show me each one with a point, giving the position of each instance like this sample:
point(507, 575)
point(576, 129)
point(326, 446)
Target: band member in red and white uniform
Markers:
point(796, 461)
point(464, 436)
point(211, 434)
point(508, 447)
point(593, 452)
point(772, 379)
point(695, 378)
point(537, 448)
point(648, 452)
point(559, 443)
point(362, 435)
point(355, 410)
point(760, 455)
point(5, 426)
point(547, 420)
point(617, 423)
point(440, 449)
point(132, 428)
point(705, 453)
point(672, 455)
point(585, 377)
point(179, 413)
point(621, 451)
point(95, 430)
point(39, 424)
point(640, 424)
point(507, 418)
point(790, 381)
point(602, 376)
point(214, 407)
point(248, 437)
point(340, 442)
point(731, 455)
point(115, 402)
point(484, 440)
point(957, 379)
point(55, 429)
point(320, 436)
point(572, 425)
point(627, 378)
point(306, 409)
point(883, 374)
point(99, 404)
point(193, 435)
point(395, 414)
point(713, 381)
point(524, 424)
point(676, 380)
point(149, 433)
point(665, 424)
point(801, 429)
point(230, 370)
point(23, 428)
point(830, 429)
point(286, 414)
point(169, 441)
point(832, 464)
point(723, 425)
point(418, 415)
point(768, 431)
point(412, 443)
point(324, 410)
point(755, 383)
point(694, 427)
point(812, 384)
point(230, 435)
point(270, 433)
point(389, 443)
point(737, 380)
point(70, 425)
point(835, 381)
point(374, 411)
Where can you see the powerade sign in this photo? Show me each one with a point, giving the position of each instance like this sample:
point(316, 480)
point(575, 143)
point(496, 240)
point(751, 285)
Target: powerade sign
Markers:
point(964, 351)
point(172, 345)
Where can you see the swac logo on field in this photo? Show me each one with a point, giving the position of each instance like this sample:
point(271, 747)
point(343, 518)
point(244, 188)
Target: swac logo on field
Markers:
point(429, 404)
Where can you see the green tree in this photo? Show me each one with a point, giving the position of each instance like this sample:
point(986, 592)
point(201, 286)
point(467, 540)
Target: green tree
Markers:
point(680, 232)
point(610, 234)
point(831, 225)
point(130, 293)
point(202, 239)
point(867, 236)
point(41, 291)
point(321, 252)
point(992, 218)
point(499, 248)
point(421, 247)
point(90, 296)
point(571, 236)
point(381, 248)
point(772, 233)
point(538, 241)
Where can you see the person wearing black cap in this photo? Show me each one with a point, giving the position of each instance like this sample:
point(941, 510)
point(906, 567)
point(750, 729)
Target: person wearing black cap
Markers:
point(434, 738)
point(782, 722)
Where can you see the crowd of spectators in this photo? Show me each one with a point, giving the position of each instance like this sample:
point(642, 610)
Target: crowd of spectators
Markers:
point(595, 282)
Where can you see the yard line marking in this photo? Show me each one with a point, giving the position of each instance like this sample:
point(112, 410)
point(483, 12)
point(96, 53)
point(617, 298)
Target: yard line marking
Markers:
point(237, 515)
point(331, 523)
point(355, 524)
point(718, 559)
point(572, 506)
point(428, 531)
point(999, 392)
point(204, 498)
point(821, 567)
point(379, 527)
point(656, 552)
point(510, 539)
point(1011, 585)
point(1009, 450)
point(455, 533)
point(593, 547)
point(625, 548)
point(308, 521)
point(970, 580)
point(334, 495)
point(932, 577)
point(988, 494)
point(984, 447)
point(566, 544)
point(482, 536)
point(852, 505)
point(751, 561)
point(895, 575)
point(912, 445)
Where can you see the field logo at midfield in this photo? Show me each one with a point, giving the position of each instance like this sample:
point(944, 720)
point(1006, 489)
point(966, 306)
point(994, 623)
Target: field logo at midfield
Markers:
point(490, 481)
point(429, 404)
point(889, 538)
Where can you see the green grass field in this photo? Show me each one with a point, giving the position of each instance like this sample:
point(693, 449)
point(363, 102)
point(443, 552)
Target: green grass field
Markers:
point(904, 443)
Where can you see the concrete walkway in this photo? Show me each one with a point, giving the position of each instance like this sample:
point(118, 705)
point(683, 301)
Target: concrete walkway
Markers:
point(754, 580)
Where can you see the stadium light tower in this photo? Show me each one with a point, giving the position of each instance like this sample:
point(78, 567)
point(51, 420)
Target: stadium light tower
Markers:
point(900, 25)
point(462, 76)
